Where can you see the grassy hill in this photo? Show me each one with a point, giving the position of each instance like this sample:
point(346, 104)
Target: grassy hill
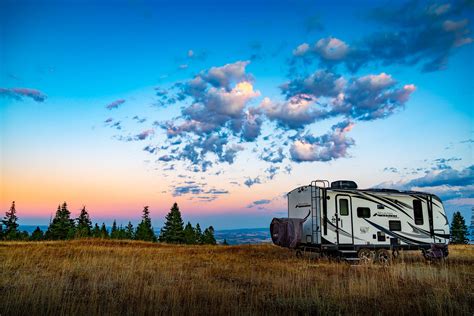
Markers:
point(84, 277)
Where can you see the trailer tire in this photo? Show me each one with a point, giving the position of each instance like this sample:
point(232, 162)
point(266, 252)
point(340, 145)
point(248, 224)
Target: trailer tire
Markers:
point(383, 256)
point(366, 256)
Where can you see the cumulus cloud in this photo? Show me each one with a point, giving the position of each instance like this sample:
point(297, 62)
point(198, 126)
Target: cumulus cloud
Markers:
point(327, 147)
point(250, 182)
point(145, 134)
point(20, 93)
point(324, 94)
point(272, 156)
point(115, 104)
point(449, 184)
point(409, 34)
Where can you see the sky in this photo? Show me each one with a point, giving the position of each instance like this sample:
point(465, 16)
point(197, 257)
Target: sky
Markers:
point(225, 106)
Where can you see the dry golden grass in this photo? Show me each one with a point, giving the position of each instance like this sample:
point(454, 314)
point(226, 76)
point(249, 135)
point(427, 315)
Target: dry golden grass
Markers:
point(88, 277)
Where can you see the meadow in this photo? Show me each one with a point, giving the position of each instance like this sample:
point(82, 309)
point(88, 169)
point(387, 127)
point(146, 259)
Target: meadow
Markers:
point(89, 277)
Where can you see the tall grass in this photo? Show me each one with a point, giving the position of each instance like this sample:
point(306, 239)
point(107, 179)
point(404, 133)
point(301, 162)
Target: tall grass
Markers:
point(87, 277)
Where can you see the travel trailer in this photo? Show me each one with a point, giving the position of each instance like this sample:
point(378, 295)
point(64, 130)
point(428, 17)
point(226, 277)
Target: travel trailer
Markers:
point(342, 221)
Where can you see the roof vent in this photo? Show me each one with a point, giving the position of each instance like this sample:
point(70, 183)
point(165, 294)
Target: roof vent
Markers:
point(343, 184)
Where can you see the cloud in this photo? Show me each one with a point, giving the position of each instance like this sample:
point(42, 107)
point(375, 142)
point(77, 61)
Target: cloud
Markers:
point(450, 177)
point(20, 93)
point(324, 94)
point(139, 120)
point(145, 134)
point(449, 184)
point(330, 146)
point(150, 149)
point(259, 202)
point(186, 189)
point(271, 171)
point(272, 156)
point(414, 33)
point(249, 182)
point(218, 112)
point(115, 104)
point(109, 120)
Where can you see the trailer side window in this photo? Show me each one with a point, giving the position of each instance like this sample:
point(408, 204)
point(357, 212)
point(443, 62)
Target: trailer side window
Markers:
point(418, 212)
point(363, 212)
point(344, 207)
point(395, 226)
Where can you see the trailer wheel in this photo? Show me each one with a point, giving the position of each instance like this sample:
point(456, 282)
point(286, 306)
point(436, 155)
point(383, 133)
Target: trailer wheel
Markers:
point(383, 256)
point(365, 255)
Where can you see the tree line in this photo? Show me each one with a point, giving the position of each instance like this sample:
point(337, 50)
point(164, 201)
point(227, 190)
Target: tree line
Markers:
point(63, 227)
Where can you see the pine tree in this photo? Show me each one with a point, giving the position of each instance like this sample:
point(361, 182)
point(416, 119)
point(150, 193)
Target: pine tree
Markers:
point(114, 231)
point(225, 243)
point(84, 224)
point(103, 231)
point(173, 231)
point(129, 232)
point(459, 233)
point(189, 234)
point(144, 229)
point(10, 231)
point(37, 234)
point(208, 236)
point(96, 231)
point(62, 226)
point(198, 234)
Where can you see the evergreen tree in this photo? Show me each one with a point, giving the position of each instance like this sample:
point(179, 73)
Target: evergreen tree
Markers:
point(37, 234)
point(62, 226)
point(10, 231)
point(121, 233)
point(224, 243)
point(208, 236)
point(144, 229)
point(129, 232)
point(189, 234)
point(84, 224)
point(96, 231)
point(103, 231)
point(173, 231)
point(459, 233)
point(114, 232)
point(198, 234)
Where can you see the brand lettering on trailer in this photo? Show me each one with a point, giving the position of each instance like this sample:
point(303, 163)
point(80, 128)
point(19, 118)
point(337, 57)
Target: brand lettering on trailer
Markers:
point(384, 214)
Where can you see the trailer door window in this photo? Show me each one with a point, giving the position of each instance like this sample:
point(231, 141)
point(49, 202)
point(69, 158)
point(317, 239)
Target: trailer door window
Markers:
point(363, 212)
point(418, 212)
point(395, 226)
point(344, 207)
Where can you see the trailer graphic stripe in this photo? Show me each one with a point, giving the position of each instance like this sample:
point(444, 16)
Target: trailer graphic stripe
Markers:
point(389, 202)
point(390, 233)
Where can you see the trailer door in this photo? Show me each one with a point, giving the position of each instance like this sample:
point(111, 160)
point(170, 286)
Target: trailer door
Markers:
point(344, 219)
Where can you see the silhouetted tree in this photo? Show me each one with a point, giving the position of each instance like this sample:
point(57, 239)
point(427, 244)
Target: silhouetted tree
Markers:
point(10, 231)
point(114, 233)
point(96, 231)
point(103, 231)
point(198, 234)
point(224, 243)
point(129, 232)
point(37, 234)
point(84, 224)
point(208, 236)
point(189, 234)
point(459, 233)
point(173, 231)
point(144, 229)
point(62, 226)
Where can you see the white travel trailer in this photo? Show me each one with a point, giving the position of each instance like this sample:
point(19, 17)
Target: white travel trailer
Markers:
point(362, 224)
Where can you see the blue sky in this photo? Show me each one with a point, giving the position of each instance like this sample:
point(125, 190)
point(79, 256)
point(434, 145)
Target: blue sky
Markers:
point(218, 105)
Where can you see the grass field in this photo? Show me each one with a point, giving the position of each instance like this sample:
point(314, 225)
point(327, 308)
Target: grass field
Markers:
point(85, 277)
